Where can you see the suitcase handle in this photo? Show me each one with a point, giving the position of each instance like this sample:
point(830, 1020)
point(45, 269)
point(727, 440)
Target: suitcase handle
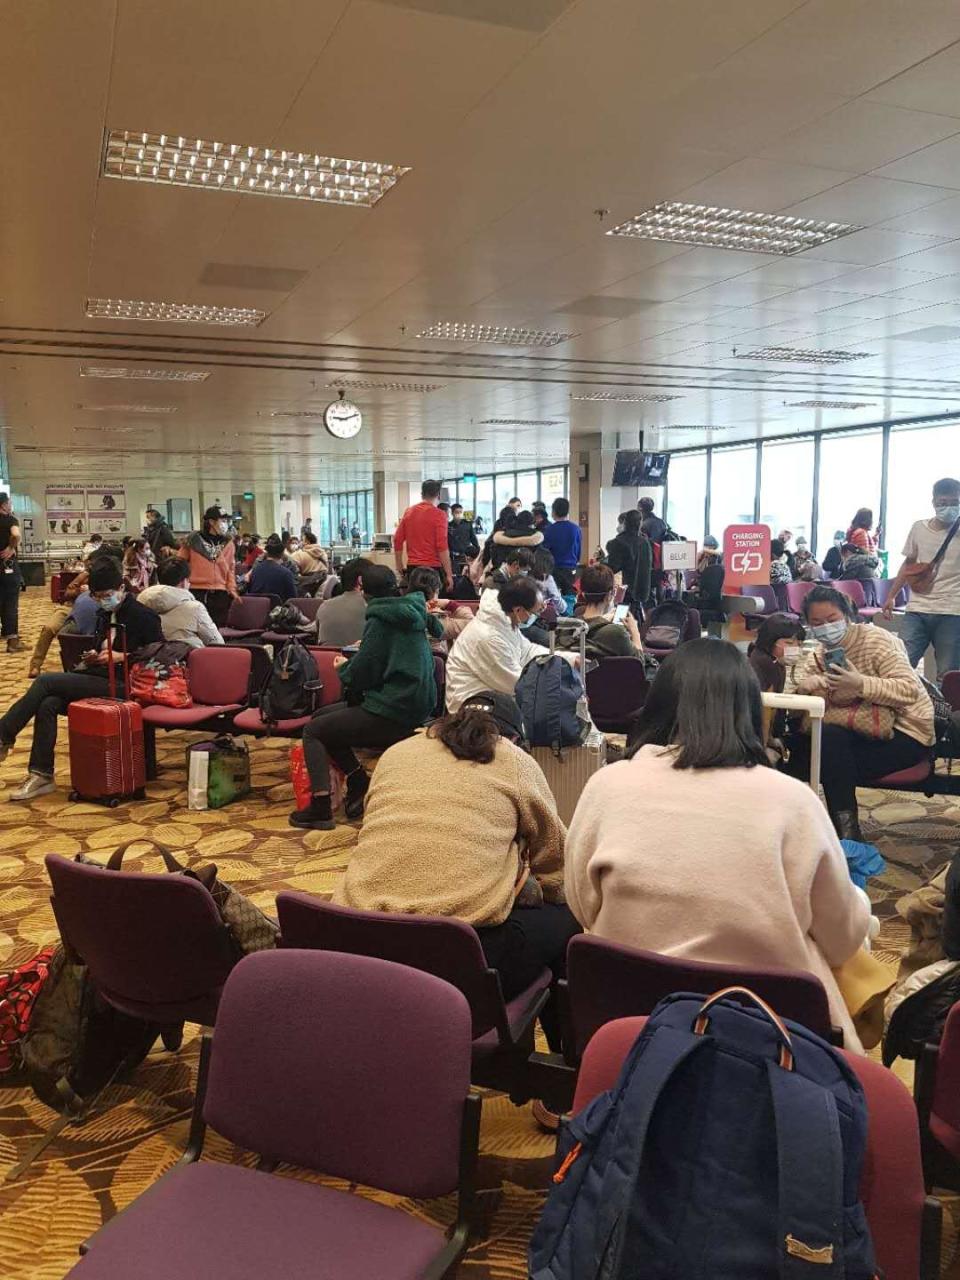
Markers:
point(111, 674)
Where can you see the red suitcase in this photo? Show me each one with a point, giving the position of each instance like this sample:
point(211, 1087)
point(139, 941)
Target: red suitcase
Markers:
point(107, 762)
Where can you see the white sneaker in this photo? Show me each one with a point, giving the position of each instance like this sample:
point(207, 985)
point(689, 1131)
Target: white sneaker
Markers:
point(35, 784)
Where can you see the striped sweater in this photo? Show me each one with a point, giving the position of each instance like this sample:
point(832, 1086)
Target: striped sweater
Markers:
point(889, 680)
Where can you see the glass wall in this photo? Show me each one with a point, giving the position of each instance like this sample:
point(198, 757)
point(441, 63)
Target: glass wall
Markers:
point(733, 485)
point(851, 469)
point(505, 488)
point(687, 494)
point(528, 488)
point(786, 486)
point(340, 513)
point(918, 457)
point(489, 494)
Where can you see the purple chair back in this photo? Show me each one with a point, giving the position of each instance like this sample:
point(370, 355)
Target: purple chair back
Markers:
point(154, 944)
point(694, 625)
point(765, 593)
point(882, 587)
point(352, 1066)
point(249, 613)
point(854, 590)
point(308, 606)
point(608, 981)
point(441, 945)
point(797, 592)
point(220, 674)
point(616, 690)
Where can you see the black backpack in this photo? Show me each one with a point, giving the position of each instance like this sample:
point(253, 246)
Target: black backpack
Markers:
point(286, 619)
point(666, 625)
point(293, 686)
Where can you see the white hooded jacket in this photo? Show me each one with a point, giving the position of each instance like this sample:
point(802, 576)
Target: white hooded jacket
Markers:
point(490, 654)
point(182, 616)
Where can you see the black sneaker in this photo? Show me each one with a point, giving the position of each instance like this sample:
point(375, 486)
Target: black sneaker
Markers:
point(315, 817)
point(358, 784)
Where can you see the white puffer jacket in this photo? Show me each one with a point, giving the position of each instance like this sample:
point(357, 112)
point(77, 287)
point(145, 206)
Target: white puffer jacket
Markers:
point(182, 616)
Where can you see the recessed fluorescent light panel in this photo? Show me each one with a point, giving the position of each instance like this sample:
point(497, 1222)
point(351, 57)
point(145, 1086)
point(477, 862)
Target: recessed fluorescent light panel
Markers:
point(731, 228)
point(232, 166)
point(832, 404)
point(795, 355)
point(128, 408)
point(297, 413)
point(503, 335)
point(172, 312)
point(520, 422)
point(420, 388)
point(623, 397)
point(144, 375)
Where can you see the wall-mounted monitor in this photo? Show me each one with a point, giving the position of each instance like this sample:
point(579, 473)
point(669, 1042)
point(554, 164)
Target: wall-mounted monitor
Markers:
point(633, 468)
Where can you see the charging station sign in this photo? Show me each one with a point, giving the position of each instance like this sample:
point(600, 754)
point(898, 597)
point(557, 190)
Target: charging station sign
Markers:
point(746, 555)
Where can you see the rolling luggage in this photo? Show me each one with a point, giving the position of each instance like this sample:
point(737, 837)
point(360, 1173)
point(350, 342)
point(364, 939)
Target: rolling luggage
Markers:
point(107, 762)
point(568, 769)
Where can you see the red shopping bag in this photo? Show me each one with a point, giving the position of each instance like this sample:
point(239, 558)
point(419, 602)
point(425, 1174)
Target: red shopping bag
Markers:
point(301, 780)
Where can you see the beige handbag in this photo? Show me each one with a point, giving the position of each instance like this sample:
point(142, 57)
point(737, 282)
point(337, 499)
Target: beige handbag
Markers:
point(868, 719)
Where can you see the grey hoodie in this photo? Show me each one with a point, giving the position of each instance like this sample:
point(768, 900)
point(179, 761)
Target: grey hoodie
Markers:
point(182, 616)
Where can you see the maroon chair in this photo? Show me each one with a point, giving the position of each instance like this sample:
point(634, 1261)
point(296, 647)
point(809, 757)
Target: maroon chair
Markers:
point(219, 679)
point(950, 687)
point(937, 1092)
point(854, 590)
point(606, 981)
point(352, 1067)
point(690, 632)
point(155, 946)
point(72, 648)
point(883, 586)
point(246, 618)
point(502, 1031)
point(308, 606)
point(616, 690)
point(797, 592)
point(904, 1223)
point(251, 721)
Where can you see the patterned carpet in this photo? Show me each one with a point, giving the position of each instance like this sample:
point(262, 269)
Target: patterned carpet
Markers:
point(92, 1171)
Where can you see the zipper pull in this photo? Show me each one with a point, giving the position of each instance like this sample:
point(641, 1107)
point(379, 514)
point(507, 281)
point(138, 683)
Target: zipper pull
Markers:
point(567, 1162)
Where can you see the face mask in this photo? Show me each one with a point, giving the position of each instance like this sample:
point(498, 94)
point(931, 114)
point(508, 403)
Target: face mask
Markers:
point(112, 601)
point(946, 514)
point(830, 633)
point(791, 654)
point(528, 621)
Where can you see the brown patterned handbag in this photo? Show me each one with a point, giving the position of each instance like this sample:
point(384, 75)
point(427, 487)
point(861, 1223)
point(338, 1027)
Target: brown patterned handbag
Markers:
point(868, 719)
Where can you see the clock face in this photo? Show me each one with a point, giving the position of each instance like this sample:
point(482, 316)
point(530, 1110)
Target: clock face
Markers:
point(342, 419)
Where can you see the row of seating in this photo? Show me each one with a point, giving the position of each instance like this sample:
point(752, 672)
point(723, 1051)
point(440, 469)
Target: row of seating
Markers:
point(156, 948)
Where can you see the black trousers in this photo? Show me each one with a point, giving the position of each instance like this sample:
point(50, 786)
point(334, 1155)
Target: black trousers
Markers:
point(9, 605)
point(849, 760)
point(46, 699)
point(530, 940)
point(217, 602)
point(332, 734)
point(564, 579)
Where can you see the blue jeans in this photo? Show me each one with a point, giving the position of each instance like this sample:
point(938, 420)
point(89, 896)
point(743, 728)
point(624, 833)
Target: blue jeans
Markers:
point(942, 630)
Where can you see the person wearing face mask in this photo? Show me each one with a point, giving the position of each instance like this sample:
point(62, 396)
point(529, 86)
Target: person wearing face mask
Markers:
point(129, 625)
point(212, 559)
point(933, 611)
point(493, 651)
point(857, 663)
point(833, 560)
point(605, 638)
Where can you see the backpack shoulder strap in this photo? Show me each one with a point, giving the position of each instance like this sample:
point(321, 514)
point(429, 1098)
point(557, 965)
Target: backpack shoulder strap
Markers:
point(810, 1169)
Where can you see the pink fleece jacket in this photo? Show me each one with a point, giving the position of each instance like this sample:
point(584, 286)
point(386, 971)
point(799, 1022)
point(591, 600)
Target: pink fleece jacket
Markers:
point(730, 866)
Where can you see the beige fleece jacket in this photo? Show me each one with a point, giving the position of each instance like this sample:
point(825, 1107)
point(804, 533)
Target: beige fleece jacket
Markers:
point(443, 836)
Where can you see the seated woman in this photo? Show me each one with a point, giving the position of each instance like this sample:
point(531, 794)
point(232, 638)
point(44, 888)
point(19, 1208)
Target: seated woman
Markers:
point(542, 570)
point(390, 690)
point(693, 847)
point(182, 616)
point(605, 638)
point(865, 664)
point(465, 778)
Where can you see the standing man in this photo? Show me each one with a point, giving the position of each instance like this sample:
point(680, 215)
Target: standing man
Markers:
point(462, 539)
point(933, 617)
point(562, 540)
point(306, 527)
point(423, 529)
point(9, 576)
point(655, 529)
point(158, 534)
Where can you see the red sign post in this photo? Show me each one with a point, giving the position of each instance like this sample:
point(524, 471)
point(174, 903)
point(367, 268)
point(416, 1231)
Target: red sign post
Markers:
point(746, 555)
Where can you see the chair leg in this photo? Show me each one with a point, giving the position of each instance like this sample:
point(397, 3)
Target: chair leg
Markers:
point(37, 1148)
point(150, 751)
point(931, 1231)
point(198, 1127)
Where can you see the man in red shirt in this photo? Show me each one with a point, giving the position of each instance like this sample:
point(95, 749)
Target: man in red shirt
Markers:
point(423, 529)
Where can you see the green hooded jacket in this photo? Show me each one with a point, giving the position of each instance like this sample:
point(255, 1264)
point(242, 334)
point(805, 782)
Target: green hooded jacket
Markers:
point(391, 674)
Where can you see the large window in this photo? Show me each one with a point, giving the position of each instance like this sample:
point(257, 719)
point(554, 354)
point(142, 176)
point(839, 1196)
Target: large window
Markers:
point(733, 483)
point(505, 489)
point(528, 487)
point(484, 502)
point(919, 456)
point(553, 484)
point(786, 486)
point(686, 494)
point(851, 467)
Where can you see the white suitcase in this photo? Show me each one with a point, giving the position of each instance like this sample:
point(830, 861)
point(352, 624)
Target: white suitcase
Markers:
point(814, 708)
point(568, 772)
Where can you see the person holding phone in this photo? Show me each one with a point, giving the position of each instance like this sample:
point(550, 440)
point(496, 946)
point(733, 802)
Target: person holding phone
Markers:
point(879, 717)
point(608, 636)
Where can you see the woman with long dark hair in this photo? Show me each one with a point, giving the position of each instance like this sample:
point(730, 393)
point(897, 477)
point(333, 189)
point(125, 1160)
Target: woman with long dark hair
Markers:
point(859, 534)
point(693, 847)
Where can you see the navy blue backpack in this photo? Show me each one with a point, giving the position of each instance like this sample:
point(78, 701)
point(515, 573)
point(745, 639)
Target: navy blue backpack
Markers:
point(551, 695)
point(729, 1149)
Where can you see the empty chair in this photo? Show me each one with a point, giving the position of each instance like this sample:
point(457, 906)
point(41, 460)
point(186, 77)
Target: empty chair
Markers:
point(502, 1031)
point(616, 690)
point(853, 589)
point(690, 632)
point(606, 981)
point(247, 618)
point(883, 585)
point(356, 1068)
point(904, 1223)
point(797, 592)
point(251, 720)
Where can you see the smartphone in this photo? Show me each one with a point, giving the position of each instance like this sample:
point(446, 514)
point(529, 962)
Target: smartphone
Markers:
point(348, 650)
point(834, 658)
point(620, 613)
